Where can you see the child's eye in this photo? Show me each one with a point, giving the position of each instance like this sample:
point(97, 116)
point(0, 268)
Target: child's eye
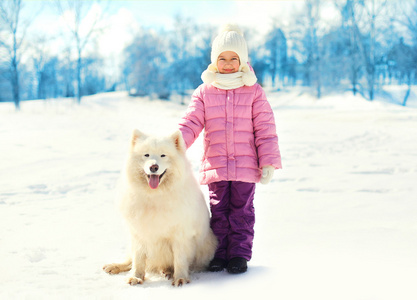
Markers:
point(163, 155)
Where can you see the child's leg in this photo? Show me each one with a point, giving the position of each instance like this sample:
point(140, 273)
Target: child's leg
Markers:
point(219, 205)
point(242, 220)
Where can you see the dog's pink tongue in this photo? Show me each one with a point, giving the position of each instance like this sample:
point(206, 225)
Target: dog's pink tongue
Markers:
point(154, 181)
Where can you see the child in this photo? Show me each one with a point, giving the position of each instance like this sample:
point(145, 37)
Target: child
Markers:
point(240, 146)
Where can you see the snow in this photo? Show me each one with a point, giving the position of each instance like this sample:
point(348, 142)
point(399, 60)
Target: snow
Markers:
point(338, 222)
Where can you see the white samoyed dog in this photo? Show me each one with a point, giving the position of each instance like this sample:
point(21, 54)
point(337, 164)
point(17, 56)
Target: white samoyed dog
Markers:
point(165, 210)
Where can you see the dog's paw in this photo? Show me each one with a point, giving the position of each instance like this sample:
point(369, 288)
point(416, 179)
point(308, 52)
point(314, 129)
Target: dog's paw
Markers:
point(167, 275)
point(111, 269)
point(134, 280)
point(180, 281)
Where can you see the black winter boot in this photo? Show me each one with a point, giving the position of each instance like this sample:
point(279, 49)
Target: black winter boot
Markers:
point(237, 265)
point(217, 265)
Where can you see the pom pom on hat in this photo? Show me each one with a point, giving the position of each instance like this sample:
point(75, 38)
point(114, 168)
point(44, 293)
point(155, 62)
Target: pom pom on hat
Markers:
point(248, 76)
point(209, 75)
point(231, 27)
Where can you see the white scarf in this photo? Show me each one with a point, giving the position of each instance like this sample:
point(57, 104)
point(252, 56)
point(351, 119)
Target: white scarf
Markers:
point(228, 81)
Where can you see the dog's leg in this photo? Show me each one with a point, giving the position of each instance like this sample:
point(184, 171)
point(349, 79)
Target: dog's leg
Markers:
point(182, 257)
point(117, 268)
point(138, 268)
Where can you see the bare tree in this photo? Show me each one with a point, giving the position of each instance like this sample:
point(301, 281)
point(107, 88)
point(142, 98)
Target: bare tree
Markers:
point(41, 59)
point(78, 11)
point(407, 17)
point(349, 34)
point(13, 30)
point(308, 34)
point(182, 47)
point(407, 60)
point(313, 15)
point(367, 21)
point(145, 60)
point(276, 44)
point(403, 61)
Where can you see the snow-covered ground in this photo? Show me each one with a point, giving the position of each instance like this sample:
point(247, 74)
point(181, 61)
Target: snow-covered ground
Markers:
point(338, 222)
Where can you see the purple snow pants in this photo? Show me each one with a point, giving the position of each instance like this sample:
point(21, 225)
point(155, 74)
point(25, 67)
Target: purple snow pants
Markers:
point(232, 218)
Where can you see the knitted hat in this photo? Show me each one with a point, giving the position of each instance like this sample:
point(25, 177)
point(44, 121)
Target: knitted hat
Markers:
point(230, 38)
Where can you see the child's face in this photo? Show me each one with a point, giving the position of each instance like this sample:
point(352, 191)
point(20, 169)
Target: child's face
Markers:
point(228, 62)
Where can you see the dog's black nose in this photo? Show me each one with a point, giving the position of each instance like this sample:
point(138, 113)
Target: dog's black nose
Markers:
point(154, 168)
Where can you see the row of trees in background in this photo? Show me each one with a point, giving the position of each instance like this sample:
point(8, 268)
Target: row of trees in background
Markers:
point(374, 43)
point(29, 71)
point(364, 51)
point(161, 63)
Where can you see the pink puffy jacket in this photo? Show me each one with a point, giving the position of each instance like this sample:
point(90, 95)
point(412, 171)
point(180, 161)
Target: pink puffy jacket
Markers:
point(239, 137)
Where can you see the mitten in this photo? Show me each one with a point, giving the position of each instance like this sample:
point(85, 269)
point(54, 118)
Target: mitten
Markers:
point(267, 173)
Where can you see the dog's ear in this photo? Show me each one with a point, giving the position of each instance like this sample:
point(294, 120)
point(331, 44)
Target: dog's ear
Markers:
point(179, 141)
point(136, 135)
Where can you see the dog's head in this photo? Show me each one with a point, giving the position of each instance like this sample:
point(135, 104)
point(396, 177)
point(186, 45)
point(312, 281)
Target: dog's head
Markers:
point(155, 159)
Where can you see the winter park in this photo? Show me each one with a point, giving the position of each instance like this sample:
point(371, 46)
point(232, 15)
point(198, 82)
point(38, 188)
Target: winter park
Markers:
point(338, 221)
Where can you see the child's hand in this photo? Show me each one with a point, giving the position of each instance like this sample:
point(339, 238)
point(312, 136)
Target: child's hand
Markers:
point(267, 173)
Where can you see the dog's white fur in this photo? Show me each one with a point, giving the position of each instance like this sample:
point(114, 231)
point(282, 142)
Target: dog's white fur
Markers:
point(169, 224)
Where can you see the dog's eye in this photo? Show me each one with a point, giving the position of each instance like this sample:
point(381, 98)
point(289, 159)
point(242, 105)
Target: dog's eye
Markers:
point(163, 155)
point(146, 155)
